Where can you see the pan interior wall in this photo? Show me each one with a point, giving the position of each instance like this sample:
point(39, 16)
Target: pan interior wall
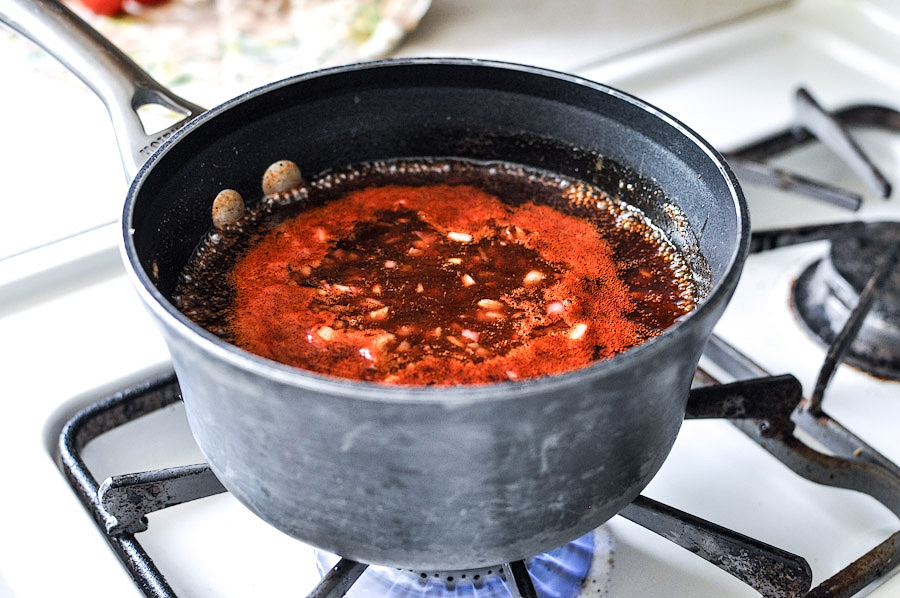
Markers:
point(479, 113)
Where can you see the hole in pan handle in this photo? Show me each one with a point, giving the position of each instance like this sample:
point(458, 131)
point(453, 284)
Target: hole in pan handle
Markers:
point(114, 77)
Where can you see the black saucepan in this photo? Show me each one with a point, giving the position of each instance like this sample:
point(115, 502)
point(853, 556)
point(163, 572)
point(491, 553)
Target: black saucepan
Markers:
point(418, 477)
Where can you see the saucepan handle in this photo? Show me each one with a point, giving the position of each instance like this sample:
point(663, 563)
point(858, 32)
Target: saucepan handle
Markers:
point(121, 84)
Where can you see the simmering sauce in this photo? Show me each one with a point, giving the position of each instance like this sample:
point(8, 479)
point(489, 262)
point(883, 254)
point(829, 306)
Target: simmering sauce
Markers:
point(442, 273)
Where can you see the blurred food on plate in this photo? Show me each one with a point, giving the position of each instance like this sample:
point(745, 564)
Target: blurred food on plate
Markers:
point(210, 50)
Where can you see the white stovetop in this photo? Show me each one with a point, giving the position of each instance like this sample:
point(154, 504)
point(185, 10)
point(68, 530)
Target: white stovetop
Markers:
point(71, 327)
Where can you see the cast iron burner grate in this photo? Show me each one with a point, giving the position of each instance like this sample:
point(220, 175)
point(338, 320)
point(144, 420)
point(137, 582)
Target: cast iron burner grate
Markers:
point(858, 273)
point(766, 408)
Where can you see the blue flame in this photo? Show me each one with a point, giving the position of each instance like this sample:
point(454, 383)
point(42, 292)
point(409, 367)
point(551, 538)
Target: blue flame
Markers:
point(558, 573)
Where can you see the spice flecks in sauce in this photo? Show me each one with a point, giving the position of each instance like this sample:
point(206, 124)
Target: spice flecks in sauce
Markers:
point(410, 281)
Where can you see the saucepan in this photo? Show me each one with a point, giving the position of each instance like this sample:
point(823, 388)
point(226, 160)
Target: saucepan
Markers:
point(427, 478)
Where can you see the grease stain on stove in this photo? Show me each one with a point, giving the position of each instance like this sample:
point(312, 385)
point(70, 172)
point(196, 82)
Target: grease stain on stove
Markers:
point(598, 580)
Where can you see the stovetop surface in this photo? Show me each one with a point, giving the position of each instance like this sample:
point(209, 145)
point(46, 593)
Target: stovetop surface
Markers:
point(73, 329)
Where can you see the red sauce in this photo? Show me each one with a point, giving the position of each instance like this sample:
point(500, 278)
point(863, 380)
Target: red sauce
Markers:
point(442, 283)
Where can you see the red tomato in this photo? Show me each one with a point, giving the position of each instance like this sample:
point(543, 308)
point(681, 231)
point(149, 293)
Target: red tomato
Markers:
point(109, 8)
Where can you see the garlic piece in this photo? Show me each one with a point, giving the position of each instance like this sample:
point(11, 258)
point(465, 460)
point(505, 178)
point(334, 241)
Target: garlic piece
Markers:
point(460, 237)
point(379, 314)
point(532, 278)
point(281, 176)
point(228, 207)
point(577, 331)
point(555, 308)
point(491, 304)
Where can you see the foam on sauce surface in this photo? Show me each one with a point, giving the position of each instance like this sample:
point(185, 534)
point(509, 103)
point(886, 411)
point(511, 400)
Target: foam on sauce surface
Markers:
point(438, 273)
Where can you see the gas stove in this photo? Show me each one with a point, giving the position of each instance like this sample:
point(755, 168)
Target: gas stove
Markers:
point(74, 333)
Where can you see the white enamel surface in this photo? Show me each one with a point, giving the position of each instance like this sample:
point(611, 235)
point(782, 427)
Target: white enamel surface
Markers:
point(72, 329)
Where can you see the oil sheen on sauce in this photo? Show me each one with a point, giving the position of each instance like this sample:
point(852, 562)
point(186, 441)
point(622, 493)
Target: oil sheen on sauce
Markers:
point(438, 272)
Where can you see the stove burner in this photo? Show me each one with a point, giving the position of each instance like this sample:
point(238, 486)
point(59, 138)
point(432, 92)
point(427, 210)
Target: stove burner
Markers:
point(766, 408)
point(827, 292)
point(558, 573)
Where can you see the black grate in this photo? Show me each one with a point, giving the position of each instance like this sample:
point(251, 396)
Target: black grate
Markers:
point(766, 408)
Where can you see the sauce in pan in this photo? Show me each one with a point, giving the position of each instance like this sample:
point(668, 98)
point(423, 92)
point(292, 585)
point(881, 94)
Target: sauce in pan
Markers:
point(438, 272)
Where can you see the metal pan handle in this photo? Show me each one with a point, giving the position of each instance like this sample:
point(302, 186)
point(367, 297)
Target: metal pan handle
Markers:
point(116, 79)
